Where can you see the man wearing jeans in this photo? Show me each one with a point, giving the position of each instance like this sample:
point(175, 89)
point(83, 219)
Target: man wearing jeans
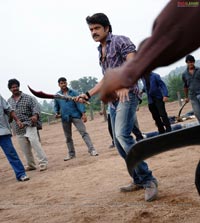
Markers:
point(191, 79)
point(114, 50)
point(5, 139)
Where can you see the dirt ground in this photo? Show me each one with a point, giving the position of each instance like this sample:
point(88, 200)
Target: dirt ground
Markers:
point(86, 189)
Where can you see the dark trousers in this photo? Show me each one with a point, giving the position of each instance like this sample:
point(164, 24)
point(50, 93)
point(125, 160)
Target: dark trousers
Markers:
point(136, 131)
point(159, 114)
point(110, 128)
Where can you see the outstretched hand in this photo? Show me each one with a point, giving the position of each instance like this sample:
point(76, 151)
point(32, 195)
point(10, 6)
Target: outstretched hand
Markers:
point(82, 98)
point(114, 79)
point(20, 124)
point(123, 94)
point(187, 100)
point(84, 117)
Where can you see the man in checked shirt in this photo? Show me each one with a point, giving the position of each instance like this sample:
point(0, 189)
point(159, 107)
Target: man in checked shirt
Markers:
point(28, 111)
point(114, 50)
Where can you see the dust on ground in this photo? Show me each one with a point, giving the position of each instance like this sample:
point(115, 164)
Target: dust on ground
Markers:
point(86, 189)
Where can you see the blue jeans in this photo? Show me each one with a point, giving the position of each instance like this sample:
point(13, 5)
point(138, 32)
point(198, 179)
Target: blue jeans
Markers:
point(122, 119)
point(12, 156)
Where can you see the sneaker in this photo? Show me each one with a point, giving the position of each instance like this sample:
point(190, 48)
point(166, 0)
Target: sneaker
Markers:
point(69, 157)
point(151, 191)
point(131, 187)
point(94, 153)
point(24, 178)
point(43, 167)
point(30, 168)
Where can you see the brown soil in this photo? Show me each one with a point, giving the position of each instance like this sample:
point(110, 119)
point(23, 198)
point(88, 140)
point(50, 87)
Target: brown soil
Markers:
point(86, 189)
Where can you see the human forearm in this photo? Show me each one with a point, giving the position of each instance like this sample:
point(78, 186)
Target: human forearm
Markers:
point(14, 116)
point(185, 92)
point(174, 35)
point(172, 30)
point(96, 88)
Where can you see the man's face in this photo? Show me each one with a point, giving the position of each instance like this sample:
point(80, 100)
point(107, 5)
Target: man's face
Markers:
point(63, 85)
point(15, 89)
point(98, 32)
point(190, 64)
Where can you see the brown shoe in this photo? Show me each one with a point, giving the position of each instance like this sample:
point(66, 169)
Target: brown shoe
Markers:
point(151, 192)
point(30, 168)
point(69, 157)
point(131, 187)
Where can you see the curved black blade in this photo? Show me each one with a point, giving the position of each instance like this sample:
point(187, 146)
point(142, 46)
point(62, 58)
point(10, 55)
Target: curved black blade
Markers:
point(162, 143)
point(197, 178)
point(179, 113)
point(41, 94)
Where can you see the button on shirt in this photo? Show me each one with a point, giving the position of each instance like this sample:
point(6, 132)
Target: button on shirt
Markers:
point(25, 107)
point(117, 48)
point(192, 81)
point(5, 110)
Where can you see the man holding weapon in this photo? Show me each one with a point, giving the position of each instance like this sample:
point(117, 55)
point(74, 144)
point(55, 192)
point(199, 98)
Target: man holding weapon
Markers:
point(72, 113)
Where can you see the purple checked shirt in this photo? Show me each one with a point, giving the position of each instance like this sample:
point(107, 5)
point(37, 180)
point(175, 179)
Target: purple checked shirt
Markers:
point(117, 48)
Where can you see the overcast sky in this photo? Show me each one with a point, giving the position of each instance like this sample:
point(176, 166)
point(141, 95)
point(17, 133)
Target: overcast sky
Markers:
point(42, 40)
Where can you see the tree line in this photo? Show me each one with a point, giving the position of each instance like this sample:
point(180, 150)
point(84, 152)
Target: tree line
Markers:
point(173, 81)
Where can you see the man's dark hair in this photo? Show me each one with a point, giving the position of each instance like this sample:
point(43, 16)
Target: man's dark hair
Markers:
point(189, 58)
point(62, 79)
point(11, 82)
point(99, 18)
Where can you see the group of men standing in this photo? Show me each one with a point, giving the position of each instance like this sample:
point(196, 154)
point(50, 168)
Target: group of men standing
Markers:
point(114, 51)
point(24, 112)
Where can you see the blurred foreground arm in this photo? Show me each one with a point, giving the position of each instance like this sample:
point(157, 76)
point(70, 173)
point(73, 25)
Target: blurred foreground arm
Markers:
point(174, 35)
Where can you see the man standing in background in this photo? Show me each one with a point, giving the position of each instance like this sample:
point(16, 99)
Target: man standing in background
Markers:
point(191, 79)
point(28, 111)
point(72, 112)
point(157, 95)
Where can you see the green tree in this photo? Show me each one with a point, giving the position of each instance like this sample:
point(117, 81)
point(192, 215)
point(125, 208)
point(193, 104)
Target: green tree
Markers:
point(83, 85)
point(46, 107)
point(174, 84)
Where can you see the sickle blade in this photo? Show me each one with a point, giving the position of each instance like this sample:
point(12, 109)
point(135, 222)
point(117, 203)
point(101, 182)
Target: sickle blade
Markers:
point(197, 178)
point(41, 94)
point(149, 147)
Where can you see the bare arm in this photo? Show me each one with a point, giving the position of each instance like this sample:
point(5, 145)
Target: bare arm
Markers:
point(14, 116)
point(186, 94)
point(174, 35)
point(96, 88)
point(83, 98)
point(122, 93)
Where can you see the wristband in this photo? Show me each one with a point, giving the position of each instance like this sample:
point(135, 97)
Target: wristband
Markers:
point(88, 95)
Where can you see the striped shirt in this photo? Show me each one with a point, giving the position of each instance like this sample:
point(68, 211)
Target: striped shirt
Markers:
point(117, 48)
